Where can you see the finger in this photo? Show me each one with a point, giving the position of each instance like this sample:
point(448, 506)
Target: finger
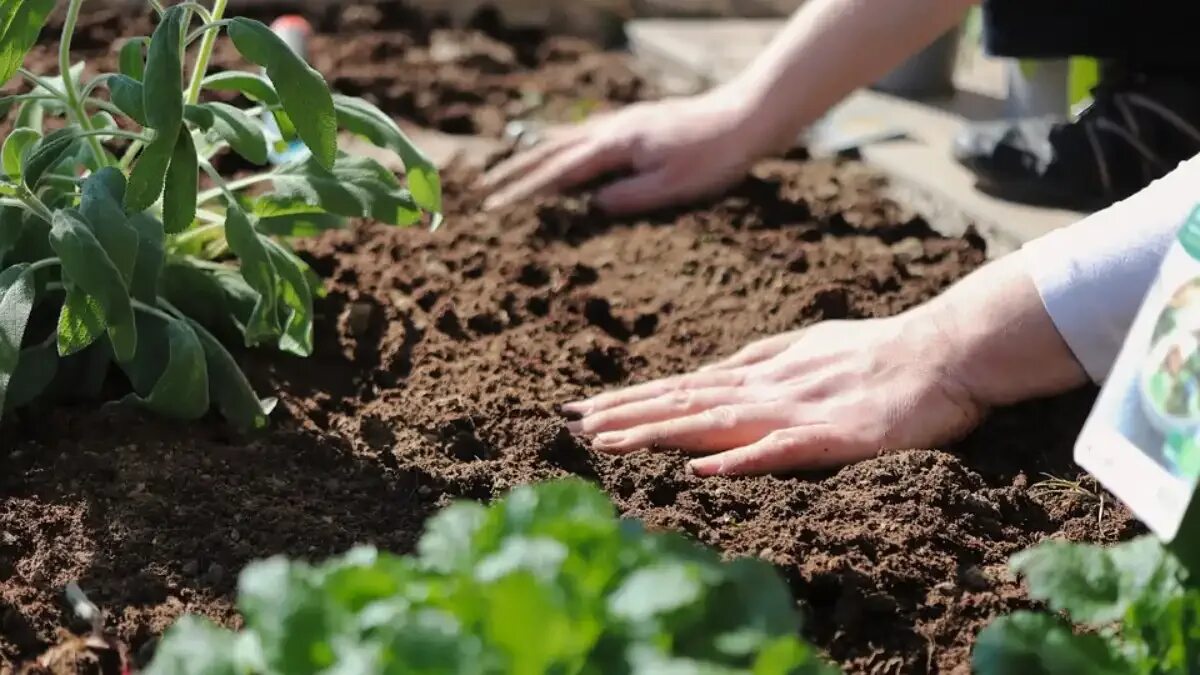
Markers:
point(681, 403)
point(572, 166)
point(719, 428)
point(522, 162)
point(755, 352)
point(661, 187)
point(809, 447)
point(655, 388)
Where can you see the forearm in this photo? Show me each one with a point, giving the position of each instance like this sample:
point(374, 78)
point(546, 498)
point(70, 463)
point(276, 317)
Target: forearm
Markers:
point(827, 50)
point(1001, 344)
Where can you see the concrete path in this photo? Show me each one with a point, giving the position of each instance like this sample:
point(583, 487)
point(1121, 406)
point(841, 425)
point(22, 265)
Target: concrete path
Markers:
point(688, 55)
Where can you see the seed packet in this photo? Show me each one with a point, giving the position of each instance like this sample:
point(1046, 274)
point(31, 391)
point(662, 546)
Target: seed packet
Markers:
point(1142, 440)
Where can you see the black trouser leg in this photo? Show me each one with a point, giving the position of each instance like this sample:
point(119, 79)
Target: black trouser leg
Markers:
point(1158, 35)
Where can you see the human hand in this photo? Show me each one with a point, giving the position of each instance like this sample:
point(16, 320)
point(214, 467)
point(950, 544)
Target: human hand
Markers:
point(828, 395)
point(678, 150)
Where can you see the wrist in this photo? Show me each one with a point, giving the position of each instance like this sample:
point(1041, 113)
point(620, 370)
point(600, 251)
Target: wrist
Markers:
point(753, 121)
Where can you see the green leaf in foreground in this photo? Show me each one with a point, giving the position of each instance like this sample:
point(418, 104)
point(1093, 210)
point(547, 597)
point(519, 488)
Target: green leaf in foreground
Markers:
point(128, 94)
point(181, 391)
point(252, 86)
point(149, 174)
point(16, 149)
point(100, 206)
point(22, 22)
point(163, 78)
point(80, 322)
point(295, 298)
point(17, 295)
point(526, 585)
point(1095, 584)
point(360, 117)
point(132, 58)
point(229, 388)
point(356, 187)
point(194, 646)
point(35, 373)
point(1026, 643)
point(85, 263)
point(180, 185)
point(47, 154)
point(303, 92)
point(259, 272)
point(243, 133)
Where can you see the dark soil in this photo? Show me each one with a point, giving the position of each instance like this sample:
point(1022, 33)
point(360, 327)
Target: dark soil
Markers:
point(441, 358)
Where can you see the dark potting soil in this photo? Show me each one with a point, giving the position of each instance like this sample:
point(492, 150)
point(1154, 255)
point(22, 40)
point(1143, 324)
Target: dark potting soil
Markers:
point(440, 360)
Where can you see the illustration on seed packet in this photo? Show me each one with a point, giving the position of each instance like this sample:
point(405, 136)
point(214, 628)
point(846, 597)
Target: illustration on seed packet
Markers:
point(1142, 440)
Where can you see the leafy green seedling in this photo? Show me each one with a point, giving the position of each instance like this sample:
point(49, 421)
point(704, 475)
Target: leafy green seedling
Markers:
point(1139, 614)
point(546, 580)
point(122, 259)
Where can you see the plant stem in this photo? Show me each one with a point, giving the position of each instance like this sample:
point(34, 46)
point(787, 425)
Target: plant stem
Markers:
point(150, 309)
point(115, 133)
point(44, 263)
point(205, 53)
point(197, 233)
point(42, 82)
point(130, 153)
point(207, 28)
point(234, 186)
point(222, 188)
point(35, 205)
point(69, 89)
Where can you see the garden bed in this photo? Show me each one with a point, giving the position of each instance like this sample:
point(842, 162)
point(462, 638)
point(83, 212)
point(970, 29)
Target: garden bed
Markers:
point(441, 357)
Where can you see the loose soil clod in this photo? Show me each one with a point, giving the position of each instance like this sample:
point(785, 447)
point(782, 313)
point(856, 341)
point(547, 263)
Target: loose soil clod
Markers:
point(441, 358)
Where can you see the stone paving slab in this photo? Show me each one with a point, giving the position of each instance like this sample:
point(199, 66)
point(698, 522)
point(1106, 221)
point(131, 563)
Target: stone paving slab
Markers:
point(694, 54)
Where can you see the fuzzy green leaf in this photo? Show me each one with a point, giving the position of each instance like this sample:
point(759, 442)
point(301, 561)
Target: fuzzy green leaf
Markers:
point(254, 87)
point(17, 295)
point(163, 80)
point(47, 154)
point(229, 388)
point(129, 95)
point(30, 115)
point(360, 117)
point(295, 299)
point(194, 646)
point(151, 256)
point(149, 174)
point(132, 58)
point(1094, 584)
point(356, 187)
point(181, 391)
point(85, 263)
point(16, 149)
point(181, 186)
point(100, 205)
point(21, 22)
point(259, 273)
point(243, 133)
point(35, 373)
point(80, 322)
point(1026, 643)
point(12, 226)
point(302, 90)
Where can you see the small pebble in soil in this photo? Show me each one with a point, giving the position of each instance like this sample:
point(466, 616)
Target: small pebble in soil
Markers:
point(191, 567)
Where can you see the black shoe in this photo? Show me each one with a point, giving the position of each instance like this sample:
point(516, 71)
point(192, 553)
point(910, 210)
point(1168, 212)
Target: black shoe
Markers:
point(1136, 130)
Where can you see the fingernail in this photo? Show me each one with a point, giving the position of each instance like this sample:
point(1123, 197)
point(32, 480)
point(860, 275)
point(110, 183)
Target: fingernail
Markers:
point(703, 468)
point(577, 408)
point(609, 440)
point(575, 427)
point(491, 203)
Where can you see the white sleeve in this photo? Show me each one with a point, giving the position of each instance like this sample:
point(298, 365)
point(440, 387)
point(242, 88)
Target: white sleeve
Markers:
point(1093, 275)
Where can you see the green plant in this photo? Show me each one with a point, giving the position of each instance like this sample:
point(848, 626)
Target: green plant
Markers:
point(1139, 612)
point(125, 260)
point(546, 580)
